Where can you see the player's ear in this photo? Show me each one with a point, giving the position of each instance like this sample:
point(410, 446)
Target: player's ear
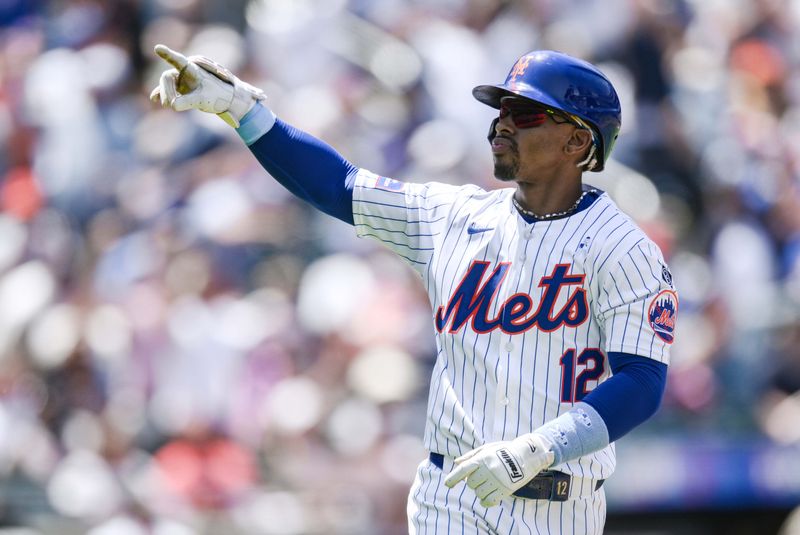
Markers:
point(578, 142)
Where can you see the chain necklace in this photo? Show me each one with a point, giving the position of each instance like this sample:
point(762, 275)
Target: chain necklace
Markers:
point(554, 215)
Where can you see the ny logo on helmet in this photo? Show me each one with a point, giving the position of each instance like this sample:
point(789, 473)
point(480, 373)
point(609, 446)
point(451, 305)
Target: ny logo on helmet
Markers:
point(519, 68)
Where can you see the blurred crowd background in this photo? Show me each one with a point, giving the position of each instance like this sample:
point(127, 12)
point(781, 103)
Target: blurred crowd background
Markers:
point(186, 349)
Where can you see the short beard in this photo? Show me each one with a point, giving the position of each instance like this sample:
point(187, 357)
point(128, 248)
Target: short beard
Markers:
point(506, 172)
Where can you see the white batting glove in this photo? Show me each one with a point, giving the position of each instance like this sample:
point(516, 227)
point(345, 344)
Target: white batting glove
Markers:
point(497, 469)
point(199, 83)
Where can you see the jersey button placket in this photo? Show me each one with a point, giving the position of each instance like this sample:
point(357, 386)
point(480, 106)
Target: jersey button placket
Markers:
point(501, 412)
point(522, 245)
point(500, 400)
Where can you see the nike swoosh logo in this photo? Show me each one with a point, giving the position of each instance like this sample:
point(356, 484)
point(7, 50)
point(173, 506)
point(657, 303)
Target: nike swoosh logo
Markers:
point(472, 229)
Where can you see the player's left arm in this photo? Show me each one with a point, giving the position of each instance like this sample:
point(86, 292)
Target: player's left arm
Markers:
point(637, 313)
point(605, 415)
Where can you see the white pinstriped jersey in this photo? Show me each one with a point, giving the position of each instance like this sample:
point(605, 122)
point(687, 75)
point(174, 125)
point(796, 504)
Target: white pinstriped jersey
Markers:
point(524, 314)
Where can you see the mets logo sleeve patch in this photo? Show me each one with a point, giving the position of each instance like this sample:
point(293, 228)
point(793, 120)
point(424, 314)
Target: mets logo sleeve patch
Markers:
point(662, 314)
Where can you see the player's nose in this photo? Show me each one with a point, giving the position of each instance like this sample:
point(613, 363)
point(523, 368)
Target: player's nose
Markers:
point(504, 125)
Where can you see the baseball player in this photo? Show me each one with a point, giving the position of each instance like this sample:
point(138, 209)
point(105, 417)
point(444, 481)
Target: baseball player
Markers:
point(553, 312)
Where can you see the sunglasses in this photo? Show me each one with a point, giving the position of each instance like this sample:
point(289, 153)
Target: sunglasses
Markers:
point(529, 115)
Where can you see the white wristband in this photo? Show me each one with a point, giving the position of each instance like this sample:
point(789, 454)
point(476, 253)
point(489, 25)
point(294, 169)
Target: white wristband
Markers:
point(256, 123)
point(575, 433)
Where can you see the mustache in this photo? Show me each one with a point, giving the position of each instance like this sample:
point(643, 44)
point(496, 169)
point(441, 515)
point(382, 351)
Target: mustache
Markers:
point(511, 141)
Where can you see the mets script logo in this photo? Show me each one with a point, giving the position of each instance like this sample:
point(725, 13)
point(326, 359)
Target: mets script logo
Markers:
point(472, 300)
point(662, 315)
point(519, 68)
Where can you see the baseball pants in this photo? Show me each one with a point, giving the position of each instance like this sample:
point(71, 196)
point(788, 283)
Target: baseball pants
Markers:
point(434, 509)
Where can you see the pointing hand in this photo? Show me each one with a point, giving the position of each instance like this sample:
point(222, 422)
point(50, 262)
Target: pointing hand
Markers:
point(196, 82)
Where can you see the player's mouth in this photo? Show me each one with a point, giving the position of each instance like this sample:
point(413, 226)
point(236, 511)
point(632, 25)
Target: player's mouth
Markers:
point(503, 145)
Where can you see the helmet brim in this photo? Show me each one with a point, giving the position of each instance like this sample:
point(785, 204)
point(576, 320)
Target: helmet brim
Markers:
point(491, 94)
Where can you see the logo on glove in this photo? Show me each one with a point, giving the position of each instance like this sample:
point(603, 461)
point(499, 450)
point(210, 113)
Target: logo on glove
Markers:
point(511, 465)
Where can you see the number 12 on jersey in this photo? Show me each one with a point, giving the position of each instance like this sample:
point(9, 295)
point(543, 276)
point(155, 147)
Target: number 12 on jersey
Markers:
point(575, 388)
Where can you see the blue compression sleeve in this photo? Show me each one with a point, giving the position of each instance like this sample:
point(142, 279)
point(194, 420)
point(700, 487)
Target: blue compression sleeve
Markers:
point(306, 166)
point(631, 395)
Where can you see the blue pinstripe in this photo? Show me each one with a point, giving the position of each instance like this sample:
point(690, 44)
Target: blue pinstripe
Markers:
point(381, 229)
point(511, 514)
point(427, 501)
point(639, 335)
point(644, 282)
point(549, 505)
point(622, 300)
point(446, 498)
point(384, 240)
point(416, 499)
point(406, 221)
point(436, 508)
point(403, 206)
point(422, 195)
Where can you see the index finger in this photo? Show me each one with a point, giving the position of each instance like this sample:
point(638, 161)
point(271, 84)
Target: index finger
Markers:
point(458, 473)
point(176, 59)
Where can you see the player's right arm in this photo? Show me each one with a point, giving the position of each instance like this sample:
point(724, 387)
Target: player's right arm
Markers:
point(403, 216)
point(306, 166)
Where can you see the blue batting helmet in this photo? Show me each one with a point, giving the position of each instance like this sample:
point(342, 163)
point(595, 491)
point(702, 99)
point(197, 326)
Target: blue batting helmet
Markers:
point(564, 83)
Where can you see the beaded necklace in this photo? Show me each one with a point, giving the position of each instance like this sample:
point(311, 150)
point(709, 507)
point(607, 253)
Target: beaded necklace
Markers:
point(554, 215)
